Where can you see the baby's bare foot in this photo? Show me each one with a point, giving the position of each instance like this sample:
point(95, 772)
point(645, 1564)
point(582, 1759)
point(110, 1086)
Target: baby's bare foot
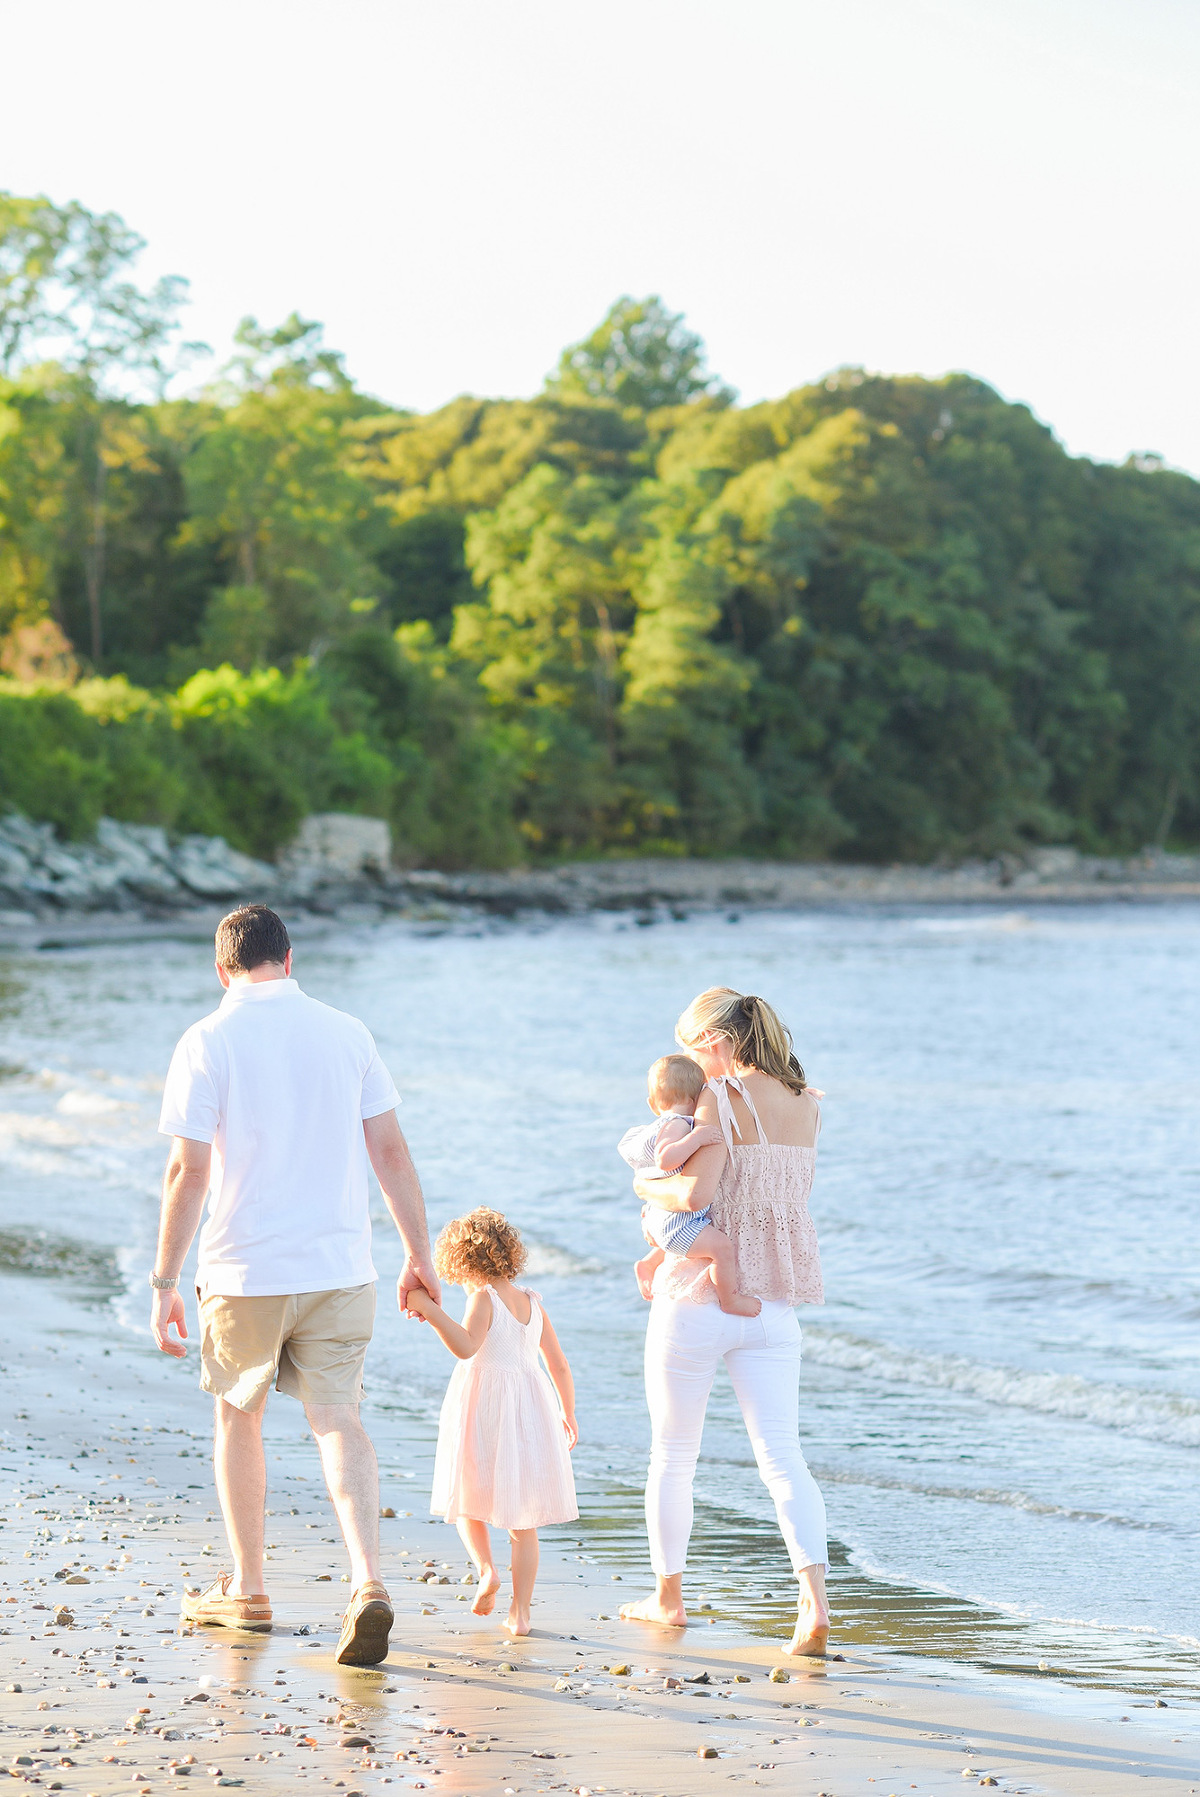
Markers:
point(644, 1274)
point(651, 1609)
point(485, 1592)
point(517, 1622)
point(738, 1306)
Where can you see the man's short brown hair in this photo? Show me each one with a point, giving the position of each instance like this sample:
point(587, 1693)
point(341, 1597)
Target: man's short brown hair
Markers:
point(250, 936)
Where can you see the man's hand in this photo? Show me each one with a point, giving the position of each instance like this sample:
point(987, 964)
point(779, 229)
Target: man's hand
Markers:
point(167, 1308)
point(417, 1275)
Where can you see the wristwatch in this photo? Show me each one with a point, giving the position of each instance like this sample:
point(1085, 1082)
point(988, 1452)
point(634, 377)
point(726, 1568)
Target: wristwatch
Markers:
point(164, 1285)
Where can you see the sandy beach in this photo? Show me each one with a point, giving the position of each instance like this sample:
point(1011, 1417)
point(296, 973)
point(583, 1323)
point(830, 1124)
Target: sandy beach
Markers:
point(110, 1513)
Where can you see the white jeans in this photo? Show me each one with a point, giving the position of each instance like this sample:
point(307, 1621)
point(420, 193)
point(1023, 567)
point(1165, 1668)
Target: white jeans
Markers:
point(684, 1342)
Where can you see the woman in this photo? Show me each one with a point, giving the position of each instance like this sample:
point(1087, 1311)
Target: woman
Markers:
point(757, 1182)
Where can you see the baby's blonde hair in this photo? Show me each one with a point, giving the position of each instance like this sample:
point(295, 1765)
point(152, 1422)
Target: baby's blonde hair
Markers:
point(673, 1079)
point(477, 1248)
point(756, 1033)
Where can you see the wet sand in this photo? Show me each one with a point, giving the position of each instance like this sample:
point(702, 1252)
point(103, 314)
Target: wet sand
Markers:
point(111, 1514)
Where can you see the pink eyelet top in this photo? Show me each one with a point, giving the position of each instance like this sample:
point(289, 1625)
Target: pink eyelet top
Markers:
point(762, 1206)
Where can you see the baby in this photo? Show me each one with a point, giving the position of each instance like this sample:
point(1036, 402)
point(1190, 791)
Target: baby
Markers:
point(656, 1151)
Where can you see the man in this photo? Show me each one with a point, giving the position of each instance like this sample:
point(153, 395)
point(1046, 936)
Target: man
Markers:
point(274, 1104)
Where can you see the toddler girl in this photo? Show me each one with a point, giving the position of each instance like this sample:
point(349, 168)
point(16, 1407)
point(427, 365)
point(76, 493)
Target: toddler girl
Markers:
point(503, 1452)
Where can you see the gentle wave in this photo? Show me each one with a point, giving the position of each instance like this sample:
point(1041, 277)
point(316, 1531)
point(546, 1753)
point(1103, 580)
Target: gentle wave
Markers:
point(546, 1261)
point(56, 1257)
point(1154, 1415)
point(984, 1494)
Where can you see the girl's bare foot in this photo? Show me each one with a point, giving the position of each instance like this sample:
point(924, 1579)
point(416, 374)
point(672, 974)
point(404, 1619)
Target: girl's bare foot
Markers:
point(656, 1609)
point(485, 1592)
point(518, 1621)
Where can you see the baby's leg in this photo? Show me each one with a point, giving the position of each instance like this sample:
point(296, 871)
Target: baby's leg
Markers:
point(714, 1246)
point(524, 1544)
point(478, 1543)
point(646, 1268)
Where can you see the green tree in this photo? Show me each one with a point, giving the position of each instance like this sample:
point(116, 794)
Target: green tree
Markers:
point(270, 489)
point(639, 355)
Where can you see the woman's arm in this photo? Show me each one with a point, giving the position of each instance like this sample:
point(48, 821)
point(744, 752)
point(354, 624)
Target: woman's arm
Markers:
point(463, 1339)
point(560, 1378)
point(695, 1189)
point(671, 1155)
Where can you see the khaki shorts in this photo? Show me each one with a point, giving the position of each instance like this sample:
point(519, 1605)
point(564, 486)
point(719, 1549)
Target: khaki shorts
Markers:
point(311, 1345)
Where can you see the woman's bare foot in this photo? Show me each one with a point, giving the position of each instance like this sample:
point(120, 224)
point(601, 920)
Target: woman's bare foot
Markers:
point(517, 1622)
point(654, 1609)
point(738, 1306)
point(811, 1638)
point(810, 1641)
point(485, 1592)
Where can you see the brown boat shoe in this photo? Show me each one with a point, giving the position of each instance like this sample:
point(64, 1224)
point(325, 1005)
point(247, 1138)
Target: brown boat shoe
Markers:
point(215, 1609)
point(366, 1627)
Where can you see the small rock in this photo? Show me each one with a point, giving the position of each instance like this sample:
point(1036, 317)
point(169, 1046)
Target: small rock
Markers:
point(988, 1781)
point(778, 1676)
point(707, 1753)
point(505, 1666)
point(77, 1578)
point(356, 1741)
point(64, 1617)
point(621, 1671)
point(696, 1678)
point(741, 1678)
point(387, 1511)
point(672, 1684)
point(16, 1687)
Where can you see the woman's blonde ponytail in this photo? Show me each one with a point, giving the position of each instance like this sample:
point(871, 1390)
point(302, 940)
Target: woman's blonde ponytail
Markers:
point(755, 1031)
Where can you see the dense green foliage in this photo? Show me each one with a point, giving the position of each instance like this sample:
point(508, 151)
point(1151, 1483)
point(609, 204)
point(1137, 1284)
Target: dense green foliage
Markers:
point(877, 618)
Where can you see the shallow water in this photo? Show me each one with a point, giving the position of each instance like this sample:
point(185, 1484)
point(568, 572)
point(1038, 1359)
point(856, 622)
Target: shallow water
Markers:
point(1001, 1396)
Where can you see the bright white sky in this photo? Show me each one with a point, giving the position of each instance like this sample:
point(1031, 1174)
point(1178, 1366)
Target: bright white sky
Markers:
point(458, 188)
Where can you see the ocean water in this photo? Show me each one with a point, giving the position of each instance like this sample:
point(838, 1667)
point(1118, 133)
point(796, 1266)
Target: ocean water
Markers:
point(1001, 1396)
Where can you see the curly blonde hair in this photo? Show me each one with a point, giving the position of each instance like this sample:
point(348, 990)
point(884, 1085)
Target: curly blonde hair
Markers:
point(477, 1248)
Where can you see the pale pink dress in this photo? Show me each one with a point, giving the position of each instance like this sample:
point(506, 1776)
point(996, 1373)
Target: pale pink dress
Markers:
point(502, 1455)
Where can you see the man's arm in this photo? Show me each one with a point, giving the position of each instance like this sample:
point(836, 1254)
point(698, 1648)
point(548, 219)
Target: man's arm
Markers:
point(185, 1187)
point(389, 1156)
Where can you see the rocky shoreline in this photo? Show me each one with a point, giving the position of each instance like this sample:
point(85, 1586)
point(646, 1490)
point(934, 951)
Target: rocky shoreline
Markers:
point(134, 880)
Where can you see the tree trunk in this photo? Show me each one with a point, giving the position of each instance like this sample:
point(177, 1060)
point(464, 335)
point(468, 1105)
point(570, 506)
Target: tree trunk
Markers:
point(1170, 802)
point(95, 558)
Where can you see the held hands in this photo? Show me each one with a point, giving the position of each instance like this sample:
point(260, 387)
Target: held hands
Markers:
point(416, 1276)
point(415, 1302)
point(166, 1308)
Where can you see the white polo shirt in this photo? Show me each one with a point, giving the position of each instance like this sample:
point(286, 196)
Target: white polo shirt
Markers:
point(280, 1085)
